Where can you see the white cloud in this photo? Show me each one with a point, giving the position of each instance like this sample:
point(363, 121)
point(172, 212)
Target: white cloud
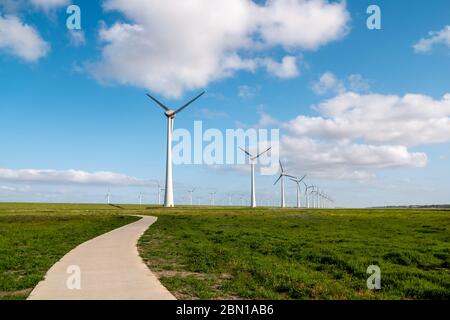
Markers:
point(285, 69)
point(379, 119)
point(20, 39)
point(15, 6)
point(49, 4)
point(356, 83)
point(76, 38)
point(345, 159)
point(435, 38)
point(302, 24)
point(173, 46)
point(329, 83)
point(212, 114)
point(356, 135)
point(247, 92)
point(68, 177)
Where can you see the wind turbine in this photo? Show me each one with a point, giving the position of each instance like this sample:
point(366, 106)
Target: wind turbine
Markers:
point(213, 197)
point(252, 163)
point(230, 199)
point(190, 195)
point(170, 115)
point(159, 190)
point(298, 181)
point(306, 194)
point(108, 197)
point(140, 198)
point(315, 196)
point(281, 177)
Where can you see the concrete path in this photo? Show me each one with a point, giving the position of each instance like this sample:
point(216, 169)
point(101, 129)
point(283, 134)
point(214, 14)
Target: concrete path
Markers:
point(110, 269)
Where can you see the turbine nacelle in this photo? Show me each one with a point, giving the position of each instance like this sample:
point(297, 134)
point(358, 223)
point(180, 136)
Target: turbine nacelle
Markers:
point(170, 114)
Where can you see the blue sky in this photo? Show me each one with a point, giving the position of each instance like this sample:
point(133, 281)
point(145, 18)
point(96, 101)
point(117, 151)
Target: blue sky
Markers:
point(69, 107)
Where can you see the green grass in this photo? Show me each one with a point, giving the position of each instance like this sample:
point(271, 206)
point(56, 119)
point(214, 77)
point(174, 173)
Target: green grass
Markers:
point(206, 253)
point(35, 236)
point(211, 253)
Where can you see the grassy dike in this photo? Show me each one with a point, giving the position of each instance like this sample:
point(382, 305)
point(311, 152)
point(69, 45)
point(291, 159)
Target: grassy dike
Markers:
point(35, 236)
point(236, 253)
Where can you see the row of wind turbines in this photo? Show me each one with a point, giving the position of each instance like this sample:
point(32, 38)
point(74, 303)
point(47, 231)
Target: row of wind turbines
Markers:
point(314, 197)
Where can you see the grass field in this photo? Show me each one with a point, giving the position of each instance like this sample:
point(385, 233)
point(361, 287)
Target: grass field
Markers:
point(239, 253)
point(34, 237)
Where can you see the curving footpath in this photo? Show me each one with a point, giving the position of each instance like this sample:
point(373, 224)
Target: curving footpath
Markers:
point(110, 269)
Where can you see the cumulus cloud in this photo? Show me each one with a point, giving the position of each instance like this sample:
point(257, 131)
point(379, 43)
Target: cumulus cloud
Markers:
point(15, 6)
point(68, 177)
point(247, 92)
point(20, 39)
point(441, 37)
point(76, 38)
point(345, 159)
point(355, 135)
point(410, 120)
point(285, 69)
point(49, 4)
point(329, 83)
point(173, 46)
point(213, 114)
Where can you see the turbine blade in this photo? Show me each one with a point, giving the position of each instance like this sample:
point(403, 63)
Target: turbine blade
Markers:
point(158, 102)
point(281, 166)
point(278, 179)
point(259, 155)
point(187, 104)
point(245, 152)
point(302, 178)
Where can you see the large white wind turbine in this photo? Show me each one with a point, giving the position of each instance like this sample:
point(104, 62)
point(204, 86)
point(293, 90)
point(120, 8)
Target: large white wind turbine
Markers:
point(281, 177)
point(170, 114)
point(252, 163)
point(298, 181)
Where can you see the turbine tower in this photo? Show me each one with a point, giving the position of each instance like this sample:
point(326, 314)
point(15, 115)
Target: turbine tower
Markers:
point(298, 181)
point(306, 194)
point(108, 197)
point(190, 195)
point(281, 177)
point(252, 163)
point(213, 194)
point(230, 199)
point(312, 194)
point(170, 115)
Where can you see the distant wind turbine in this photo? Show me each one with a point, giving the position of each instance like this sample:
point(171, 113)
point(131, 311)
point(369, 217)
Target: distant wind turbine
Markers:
point(252, 163)
point(170, 114)
point(108, 197)
point(230, 199)
point(298, 181)
point(307, 194)
point(213, 194)
point(281, 177)
point(191, 191)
